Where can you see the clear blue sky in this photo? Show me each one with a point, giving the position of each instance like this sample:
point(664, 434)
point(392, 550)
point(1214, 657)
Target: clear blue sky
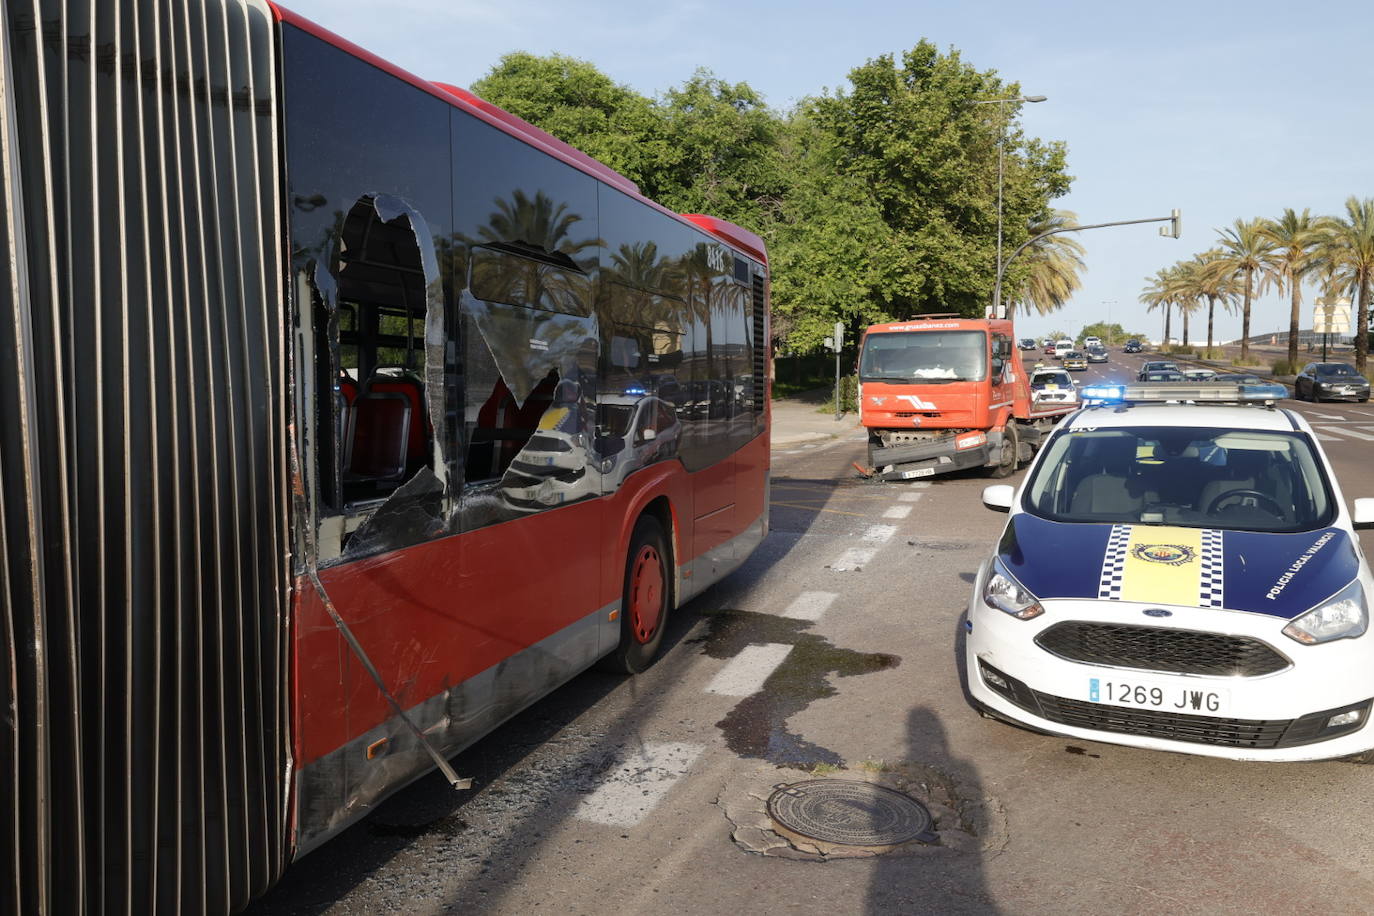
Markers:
point(1222, 109)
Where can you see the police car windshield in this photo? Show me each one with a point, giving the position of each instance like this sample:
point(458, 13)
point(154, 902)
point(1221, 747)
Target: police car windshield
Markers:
point(1188, 476)
point(924, 356)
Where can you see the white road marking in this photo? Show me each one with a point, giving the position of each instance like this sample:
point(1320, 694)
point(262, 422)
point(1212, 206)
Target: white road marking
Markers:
point(910, 497)
point(854, 558)
point(897, 512)
point(810, 605)
point(880, 533)
point(1326, 416)
point(1347, 431)
point(627, 795)
point(1324, 437)
point(744, 675)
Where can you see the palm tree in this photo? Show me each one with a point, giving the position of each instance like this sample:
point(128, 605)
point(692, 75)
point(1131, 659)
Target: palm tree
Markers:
point(1245, 251)
point(1184, 287)
point(1214, 285)
point(1346, 251)
point(1158, 295)
point(1295, 237)
point(1053, 262)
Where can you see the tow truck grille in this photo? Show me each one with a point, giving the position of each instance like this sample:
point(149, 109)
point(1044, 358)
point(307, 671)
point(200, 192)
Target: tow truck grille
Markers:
point(1161, 649)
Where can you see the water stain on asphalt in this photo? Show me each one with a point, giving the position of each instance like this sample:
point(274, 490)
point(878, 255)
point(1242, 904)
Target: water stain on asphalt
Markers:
point(757, 727)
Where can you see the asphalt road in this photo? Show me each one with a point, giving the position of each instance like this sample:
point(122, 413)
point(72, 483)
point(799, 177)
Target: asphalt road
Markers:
point(642, 795)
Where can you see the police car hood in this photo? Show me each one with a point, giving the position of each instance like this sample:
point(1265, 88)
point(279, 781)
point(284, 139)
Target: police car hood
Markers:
point(1281, 575)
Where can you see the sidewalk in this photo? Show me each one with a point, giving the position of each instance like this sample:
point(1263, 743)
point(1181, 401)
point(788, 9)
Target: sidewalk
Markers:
point(796, 421)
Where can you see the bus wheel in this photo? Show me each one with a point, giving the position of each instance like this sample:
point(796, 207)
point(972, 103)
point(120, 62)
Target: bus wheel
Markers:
point(1011, 447)
point(644, 601)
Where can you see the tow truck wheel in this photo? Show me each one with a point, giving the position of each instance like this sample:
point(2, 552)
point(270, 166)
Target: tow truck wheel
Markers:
point(1011, 447)
point(645, 600)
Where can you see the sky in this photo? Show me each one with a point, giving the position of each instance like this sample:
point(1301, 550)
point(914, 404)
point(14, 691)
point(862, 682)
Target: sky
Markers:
point(1221, 109)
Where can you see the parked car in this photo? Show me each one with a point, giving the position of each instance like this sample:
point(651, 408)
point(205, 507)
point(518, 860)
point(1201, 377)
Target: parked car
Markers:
point(1075, 360)
point(1330, 382)
point(1132, 346)
point(1179, 577)
point(1158, 365)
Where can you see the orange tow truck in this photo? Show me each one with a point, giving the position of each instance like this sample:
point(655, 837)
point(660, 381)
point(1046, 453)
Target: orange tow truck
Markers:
point(941, 393)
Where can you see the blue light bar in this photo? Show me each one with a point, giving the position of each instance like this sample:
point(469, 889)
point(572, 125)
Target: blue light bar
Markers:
point(635, 391)
point(1103, 394)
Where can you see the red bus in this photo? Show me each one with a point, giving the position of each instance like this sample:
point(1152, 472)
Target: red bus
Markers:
point(345, 415)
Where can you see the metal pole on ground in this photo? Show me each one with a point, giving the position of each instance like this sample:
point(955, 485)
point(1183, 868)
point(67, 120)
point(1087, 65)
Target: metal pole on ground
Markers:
point(839, 342)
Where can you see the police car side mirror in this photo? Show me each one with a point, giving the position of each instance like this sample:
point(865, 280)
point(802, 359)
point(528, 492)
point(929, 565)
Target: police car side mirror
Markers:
point(998, 497)
point(1363, 516)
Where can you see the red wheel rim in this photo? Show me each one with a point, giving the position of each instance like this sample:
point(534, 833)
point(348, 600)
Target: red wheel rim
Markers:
point(646, 593)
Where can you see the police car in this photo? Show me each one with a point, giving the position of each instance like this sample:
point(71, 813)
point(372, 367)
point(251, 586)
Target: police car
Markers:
point(1179, 572)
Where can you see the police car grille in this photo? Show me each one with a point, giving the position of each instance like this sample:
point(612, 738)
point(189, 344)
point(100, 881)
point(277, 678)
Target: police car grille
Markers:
point(1161, 649)
point(1258, 733)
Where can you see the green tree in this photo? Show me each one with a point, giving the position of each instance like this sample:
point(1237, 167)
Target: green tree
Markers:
point(581, 106)
point(1214, 284)
point(1052, 263)
point(1295, 239)
point(906, 131)
point(1246, 250)
point(722, 154)
point(1346, 253)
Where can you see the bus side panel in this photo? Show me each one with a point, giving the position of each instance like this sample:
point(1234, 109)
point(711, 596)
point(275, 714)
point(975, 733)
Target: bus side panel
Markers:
point(143, 595)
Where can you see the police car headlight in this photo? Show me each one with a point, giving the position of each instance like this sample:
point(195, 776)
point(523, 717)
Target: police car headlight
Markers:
point(1004, 593)
point(1342, 616)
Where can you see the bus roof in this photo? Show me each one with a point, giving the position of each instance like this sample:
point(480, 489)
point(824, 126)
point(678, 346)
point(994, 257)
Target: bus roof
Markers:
point(517, 127)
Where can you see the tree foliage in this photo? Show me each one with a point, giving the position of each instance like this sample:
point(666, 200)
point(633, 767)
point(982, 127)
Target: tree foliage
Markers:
point(878, 201)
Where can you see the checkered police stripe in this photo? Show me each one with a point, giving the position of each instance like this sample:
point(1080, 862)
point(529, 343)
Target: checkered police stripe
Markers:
point(1210, 585)
point(1109, 585)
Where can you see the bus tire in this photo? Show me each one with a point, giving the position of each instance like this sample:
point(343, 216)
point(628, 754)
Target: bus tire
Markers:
point(645, 599)
point(1011, 449)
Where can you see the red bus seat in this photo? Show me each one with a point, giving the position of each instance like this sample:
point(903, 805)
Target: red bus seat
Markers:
point(408, 387)
point(381, 431)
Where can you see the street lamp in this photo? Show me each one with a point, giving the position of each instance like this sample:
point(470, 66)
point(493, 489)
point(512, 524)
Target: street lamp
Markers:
point(1001, 145)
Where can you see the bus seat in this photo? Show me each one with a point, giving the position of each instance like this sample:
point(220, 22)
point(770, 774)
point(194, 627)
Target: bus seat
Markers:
point(381, 431)
point(409, 388)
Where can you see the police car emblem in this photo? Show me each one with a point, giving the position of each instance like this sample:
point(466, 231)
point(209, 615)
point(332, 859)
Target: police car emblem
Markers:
point(1168, 554)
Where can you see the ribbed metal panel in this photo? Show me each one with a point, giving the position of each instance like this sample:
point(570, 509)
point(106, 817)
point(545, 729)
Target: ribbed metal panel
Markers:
point(143, 594)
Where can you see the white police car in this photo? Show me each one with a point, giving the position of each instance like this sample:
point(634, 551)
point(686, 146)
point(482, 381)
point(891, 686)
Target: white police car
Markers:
point(1179, 576)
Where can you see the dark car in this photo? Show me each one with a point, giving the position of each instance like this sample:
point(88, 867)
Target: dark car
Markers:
point(1097, 354)
point(1158, 365)
point(1026, 343)
point(1162, 375)
point(1330, 382)
point(1133, 346)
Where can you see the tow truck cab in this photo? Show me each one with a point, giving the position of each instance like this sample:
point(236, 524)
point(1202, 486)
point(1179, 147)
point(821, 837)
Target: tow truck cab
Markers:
point(941, 393)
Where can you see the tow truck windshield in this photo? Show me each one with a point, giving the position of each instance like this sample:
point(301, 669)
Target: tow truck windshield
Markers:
point(925, 357)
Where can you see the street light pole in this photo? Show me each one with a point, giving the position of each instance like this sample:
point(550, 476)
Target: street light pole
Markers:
point(1001, 151)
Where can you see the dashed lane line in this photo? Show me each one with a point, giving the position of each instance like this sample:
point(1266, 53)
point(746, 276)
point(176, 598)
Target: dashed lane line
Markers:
point(628, 794)
point(855, 558)
point(745, 674)
point(910, 497)
point(810, 605)
point(880, 533)
point(897, 512)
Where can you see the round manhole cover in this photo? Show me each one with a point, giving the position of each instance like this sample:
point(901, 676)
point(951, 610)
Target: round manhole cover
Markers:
point(850, 813)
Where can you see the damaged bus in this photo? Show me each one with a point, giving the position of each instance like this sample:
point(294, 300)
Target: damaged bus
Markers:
point(344, 416)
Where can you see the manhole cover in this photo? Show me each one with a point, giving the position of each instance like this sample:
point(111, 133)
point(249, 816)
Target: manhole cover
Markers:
point(850, 813)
